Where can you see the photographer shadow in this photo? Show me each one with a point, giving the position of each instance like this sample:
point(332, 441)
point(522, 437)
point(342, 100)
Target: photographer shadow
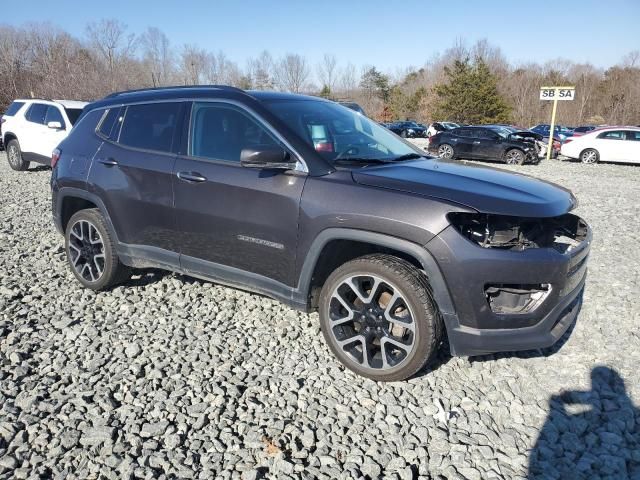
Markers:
point(592, 434)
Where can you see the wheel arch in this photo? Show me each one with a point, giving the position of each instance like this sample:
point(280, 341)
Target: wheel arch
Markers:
point(71, 200)
point(334, 246)
point(7, 137)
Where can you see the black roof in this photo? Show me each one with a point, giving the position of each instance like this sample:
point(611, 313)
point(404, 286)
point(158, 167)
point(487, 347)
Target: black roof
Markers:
point(195, 91)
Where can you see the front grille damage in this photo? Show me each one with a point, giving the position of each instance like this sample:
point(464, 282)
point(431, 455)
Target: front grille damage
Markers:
point(563, 233)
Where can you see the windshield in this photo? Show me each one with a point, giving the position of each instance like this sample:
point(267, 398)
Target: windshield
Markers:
point(338, 133)
point(73, 114)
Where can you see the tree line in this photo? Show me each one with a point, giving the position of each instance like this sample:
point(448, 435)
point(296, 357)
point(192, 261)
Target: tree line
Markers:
point(471, 84)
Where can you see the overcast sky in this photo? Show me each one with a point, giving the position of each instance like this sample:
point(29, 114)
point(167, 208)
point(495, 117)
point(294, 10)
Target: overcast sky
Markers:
point(387, 34)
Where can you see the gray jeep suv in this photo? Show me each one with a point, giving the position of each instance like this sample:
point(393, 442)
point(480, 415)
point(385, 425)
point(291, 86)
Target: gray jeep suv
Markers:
point(313, 204)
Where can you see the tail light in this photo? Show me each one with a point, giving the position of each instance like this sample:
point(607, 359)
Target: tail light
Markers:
point(55, 156)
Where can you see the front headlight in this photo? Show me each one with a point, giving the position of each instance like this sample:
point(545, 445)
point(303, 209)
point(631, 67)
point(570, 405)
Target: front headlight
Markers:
point(520, 233)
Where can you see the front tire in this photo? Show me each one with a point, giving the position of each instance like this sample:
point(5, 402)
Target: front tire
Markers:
point(404, 134)
point(590, 156)
point(91, 251)
point(14, 156)
point(379, 318)
point(514, 157)
point(445, 151)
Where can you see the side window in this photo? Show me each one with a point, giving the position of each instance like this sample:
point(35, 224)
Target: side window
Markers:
point(221, 131)
point(150, 126)
point(633, 135)
point(612, 135)
point(54, 115)
point(463, 132)
point(36, 113)
point(487, 134)
point(108, 121)
point(13, 109)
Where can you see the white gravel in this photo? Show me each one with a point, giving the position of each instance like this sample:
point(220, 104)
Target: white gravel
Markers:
point(171, 377)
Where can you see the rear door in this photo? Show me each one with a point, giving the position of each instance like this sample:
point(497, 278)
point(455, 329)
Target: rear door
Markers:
point(611, 145)
point(462, 141)
point(230, 216)
point(32, 130)
point(132, 172)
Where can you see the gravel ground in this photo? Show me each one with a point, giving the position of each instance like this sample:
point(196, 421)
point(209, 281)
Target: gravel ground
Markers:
point(171, 377)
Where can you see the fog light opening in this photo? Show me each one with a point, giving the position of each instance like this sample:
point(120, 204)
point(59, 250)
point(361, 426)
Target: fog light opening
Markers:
point(516, 298)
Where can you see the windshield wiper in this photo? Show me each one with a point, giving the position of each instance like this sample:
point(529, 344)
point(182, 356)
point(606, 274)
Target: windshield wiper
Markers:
point(360, 160)
point(408, 156)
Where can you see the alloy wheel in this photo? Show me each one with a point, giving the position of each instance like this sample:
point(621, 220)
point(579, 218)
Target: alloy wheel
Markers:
point(86, 250)
point(372, 322)
point(514, 157)
point(14, 156)
point(445, 151)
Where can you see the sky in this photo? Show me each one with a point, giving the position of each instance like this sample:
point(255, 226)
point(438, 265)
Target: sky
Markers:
point(388, 34)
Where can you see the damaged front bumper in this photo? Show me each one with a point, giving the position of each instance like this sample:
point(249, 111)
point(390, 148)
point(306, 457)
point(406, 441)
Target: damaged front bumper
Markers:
point(509, 299)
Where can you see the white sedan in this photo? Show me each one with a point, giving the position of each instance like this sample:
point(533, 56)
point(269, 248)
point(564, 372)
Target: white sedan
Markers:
point(611, 144)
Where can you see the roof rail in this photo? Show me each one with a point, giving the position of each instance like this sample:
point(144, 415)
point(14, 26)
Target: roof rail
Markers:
point(174, 87)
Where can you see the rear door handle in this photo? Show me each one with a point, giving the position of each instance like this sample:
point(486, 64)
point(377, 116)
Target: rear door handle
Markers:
point(110, 162)
point(192, 177)
point(476, 143)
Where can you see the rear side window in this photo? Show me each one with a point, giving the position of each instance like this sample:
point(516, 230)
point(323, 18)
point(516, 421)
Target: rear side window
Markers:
point(633, 135)
point(54, 115)
point(613, 135)
point(13, 109)
point(37, 113)
point(221, 132)
point(109, 118)
point(462, 132)
point(150, 126)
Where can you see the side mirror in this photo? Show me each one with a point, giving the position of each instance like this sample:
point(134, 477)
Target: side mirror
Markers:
point(55, 125)
point(266, 157)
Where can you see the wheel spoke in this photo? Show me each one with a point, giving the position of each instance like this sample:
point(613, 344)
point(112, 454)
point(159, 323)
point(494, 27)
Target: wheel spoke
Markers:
point(357, 290)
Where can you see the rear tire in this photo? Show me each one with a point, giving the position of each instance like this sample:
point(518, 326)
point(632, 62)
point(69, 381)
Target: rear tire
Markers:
point(590, 156)
point(514, 157)
point(404, 134)
point(91, 251)
point(379, 318)
point(14, 157)
point(446, 151)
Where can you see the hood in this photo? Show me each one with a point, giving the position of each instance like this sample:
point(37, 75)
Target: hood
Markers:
point(485, 189)
point(527, 134)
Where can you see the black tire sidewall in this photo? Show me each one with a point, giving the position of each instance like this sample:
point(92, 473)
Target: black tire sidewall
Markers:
point(111, 261)
point(425, 316)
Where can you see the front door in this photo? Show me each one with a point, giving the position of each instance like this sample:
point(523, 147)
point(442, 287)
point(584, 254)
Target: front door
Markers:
point(610, 145)
point(487, 145)
point(234, 219)
point(51, 137)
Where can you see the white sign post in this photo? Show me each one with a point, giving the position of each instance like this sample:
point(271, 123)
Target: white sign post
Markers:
point(555, 94)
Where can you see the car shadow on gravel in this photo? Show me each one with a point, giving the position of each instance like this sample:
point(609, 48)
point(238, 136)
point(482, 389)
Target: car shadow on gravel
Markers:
point(39, 168)
point(589, 434)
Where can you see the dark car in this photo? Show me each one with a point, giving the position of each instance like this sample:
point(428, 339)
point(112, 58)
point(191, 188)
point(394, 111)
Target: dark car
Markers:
point(583, 129)
point(560, 132)
point(308, 202)
point(353, 106)
point(483, 143)
point(408, 129)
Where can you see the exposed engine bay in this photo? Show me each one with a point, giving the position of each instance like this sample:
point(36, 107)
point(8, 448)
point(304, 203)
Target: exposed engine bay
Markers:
point(563, 233)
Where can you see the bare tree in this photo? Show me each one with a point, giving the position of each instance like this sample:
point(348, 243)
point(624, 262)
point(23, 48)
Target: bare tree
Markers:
point(327, 71)
point(156, 53)
point(261, 71)
point(194, 64)
point(116, 47)
point(292, 72)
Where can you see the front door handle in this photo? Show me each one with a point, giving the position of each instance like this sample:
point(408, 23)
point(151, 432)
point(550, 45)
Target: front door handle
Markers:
point(191, 177)
point(110, 162)
point(476, 143)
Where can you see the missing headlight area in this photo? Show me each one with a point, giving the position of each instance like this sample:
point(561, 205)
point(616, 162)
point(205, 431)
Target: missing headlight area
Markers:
point(563, 233)
point(517, 298)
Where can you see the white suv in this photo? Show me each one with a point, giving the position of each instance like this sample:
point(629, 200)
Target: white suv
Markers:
point(32, 129)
